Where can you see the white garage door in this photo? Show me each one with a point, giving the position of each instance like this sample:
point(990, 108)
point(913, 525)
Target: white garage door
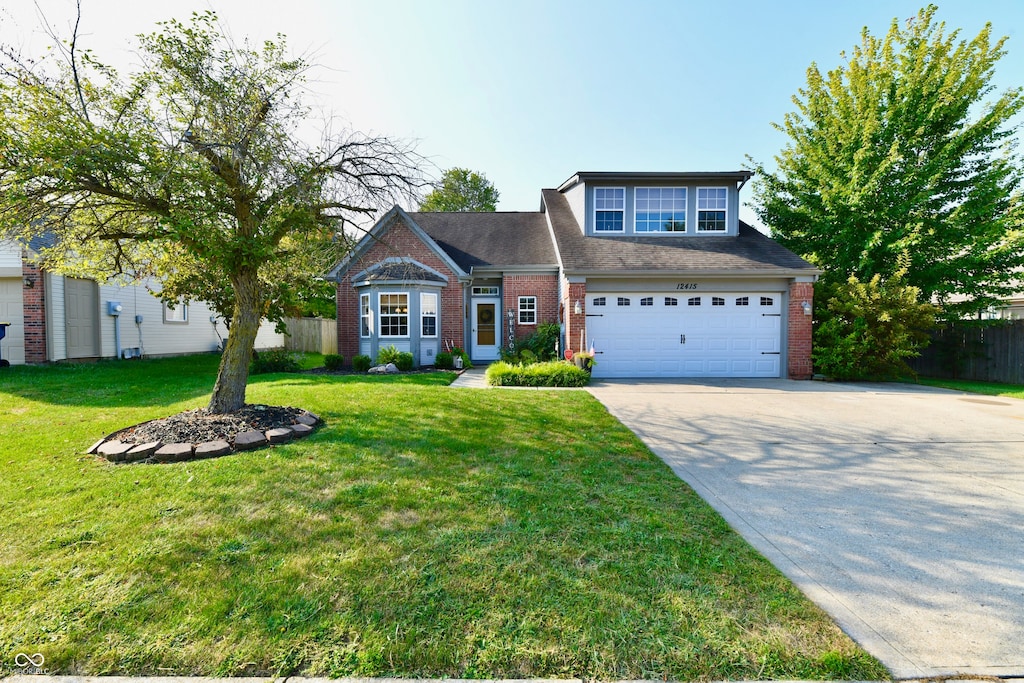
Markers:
point(685, 335)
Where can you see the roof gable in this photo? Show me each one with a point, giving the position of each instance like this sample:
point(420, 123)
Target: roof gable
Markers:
point(376, 235)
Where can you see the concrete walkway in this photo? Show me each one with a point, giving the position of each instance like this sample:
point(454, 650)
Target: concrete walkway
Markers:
point(473, 378)
point(898, 509)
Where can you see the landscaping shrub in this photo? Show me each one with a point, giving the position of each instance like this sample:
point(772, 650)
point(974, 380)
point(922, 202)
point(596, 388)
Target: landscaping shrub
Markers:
point(388, 355)
point(867, 330)
point(462, 354)
point(542, 342)
point(547, 374)
point(443, 361)
point(334, 361)
point(403, 361)
point(274, 360)
point(361, 363)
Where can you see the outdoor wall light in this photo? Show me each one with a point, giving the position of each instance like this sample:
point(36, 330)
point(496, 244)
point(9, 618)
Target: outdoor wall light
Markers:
point(29, 282)
point(577, 307)
point(807, 308)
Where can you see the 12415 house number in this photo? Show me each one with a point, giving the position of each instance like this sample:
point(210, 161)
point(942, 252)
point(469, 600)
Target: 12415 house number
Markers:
point(686, 285)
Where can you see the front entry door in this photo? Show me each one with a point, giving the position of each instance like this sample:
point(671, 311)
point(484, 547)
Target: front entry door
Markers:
point(486, 329)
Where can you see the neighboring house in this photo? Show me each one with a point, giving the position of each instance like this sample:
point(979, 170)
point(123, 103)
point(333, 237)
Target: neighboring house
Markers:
point(654, 271)
point(63, 318)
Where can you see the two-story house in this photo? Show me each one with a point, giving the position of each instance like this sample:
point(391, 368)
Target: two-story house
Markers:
point(654, 271)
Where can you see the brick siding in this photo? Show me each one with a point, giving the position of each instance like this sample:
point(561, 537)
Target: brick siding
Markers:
point(576, 291)
point(544, 287)
point(800, 331)
point(34, 304)
point(397, 241)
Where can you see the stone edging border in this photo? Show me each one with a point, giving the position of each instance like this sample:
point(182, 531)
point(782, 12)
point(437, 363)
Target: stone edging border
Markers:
point(117, 451)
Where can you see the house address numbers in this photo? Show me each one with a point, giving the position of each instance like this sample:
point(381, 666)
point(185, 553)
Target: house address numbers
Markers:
point(686, 285)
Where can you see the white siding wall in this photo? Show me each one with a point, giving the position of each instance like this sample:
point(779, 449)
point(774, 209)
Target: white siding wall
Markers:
point(577, 198)
point(154, 336)
point(10, 255)
point(56, 341)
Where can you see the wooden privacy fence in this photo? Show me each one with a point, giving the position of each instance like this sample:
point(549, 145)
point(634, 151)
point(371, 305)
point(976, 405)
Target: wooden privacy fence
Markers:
point(985, 354)
point(315, 335)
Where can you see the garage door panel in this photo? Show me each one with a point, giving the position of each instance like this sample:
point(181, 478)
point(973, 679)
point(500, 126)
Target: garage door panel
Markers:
point(730, 340)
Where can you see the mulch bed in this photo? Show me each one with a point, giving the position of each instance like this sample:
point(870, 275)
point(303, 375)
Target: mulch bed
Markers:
point(197, 426)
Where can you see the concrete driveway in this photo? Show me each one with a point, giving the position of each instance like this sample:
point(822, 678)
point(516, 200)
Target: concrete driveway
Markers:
point(897, 509)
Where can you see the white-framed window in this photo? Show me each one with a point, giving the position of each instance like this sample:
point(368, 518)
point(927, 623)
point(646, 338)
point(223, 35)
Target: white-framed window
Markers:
point(647, 301)
point(712, 203)
point(428, 314)
point(767, 301)
point(527, 310)
point(717, 301)
point(743, 301)
point(693, 301)
point(599, 301)
point(660, 209)
point(394, 315)
point(177, 315)
point(485, 291)
point(671, 301)
point(609, 209)
point(365, 316)
point(623, 301)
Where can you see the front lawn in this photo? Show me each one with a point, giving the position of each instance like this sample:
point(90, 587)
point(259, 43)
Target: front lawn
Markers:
point(971, 386)
point(421, 532)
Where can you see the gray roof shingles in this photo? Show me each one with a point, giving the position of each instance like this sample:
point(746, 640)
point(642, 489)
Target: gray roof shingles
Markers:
point(750, 252)
point(490, 239)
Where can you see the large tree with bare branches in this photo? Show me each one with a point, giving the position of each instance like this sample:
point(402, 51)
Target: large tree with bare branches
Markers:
point(192, 170)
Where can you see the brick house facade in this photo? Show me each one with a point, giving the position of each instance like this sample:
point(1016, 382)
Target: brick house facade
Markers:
point(654, 271)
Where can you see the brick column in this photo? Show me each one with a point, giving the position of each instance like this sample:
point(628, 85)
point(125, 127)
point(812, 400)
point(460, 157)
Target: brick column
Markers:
point(34, 308)
point(347, 319)
point(800, 331)
point(575, 323)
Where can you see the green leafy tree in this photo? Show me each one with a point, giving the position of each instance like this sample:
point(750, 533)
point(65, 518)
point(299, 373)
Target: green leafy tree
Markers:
point(898, 152)
point(191, 170)
point(461, 189)
point(868, 330)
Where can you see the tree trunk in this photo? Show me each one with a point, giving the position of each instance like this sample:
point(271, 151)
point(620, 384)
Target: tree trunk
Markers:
point(233, 375)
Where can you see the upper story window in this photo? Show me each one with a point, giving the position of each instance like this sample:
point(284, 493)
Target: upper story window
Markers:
point(428, 314)
point(711, 209)
point(660, 209)
point(527, 310)
point(394, 315)
point(609, 209)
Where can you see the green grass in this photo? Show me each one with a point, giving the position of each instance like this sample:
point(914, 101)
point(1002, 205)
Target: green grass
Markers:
point(424, 531)
point(989, 388)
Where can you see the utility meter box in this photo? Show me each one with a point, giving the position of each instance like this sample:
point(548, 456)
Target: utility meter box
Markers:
point(114, 308)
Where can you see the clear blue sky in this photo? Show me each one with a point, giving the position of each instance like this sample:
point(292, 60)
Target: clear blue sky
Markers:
point(531, 91)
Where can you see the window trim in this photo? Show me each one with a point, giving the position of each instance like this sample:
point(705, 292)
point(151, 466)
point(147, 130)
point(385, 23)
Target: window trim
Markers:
point(424, 315)
point(486, 290)
point(171, 315)
point(365, 317)
point(725, 211)
point(520, 310)
point(621, 210)
point(380, 313)
point(685, 210)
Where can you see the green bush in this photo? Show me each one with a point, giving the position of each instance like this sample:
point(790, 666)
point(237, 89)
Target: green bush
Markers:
point(334, 361)
point(542, 342)
point(462, 354)
point(443, 361)
point(361, 363)
point(403, 361)
point(867, 330)
point(388, 355)
point(274, 360)
point(546, 374)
